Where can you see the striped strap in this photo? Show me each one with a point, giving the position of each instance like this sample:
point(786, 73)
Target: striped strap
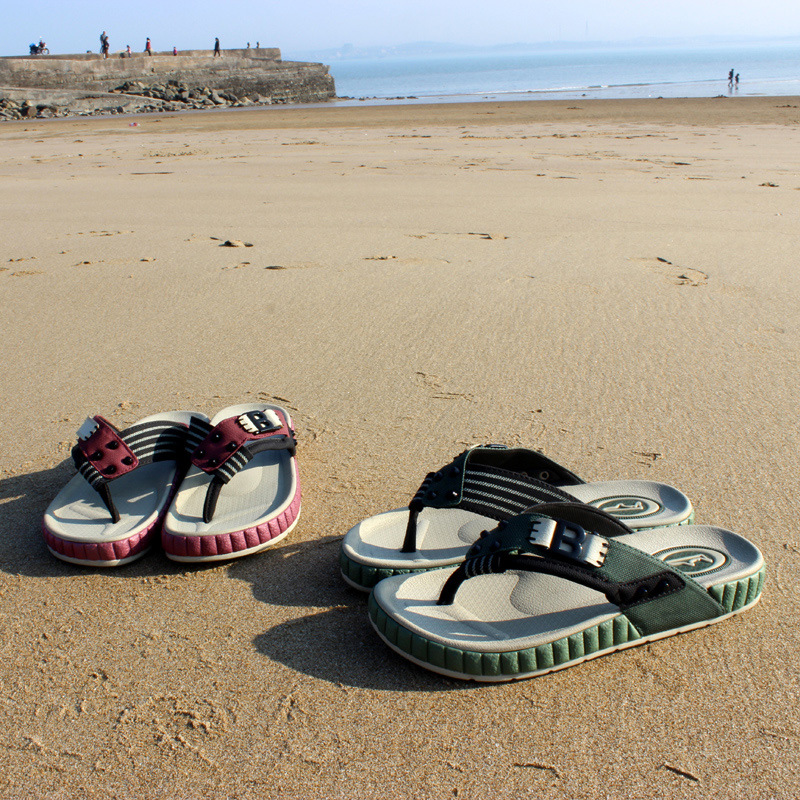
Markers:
point(149, 442)
point(499, 494)
point(141, 444)
point(491, 491)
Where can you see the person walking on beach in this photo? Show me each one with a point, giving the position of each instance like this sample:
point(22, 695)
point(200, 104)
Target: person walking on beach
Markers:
point(104, 44)
point(217, 51)
point(736, 80)
point(730, 78)
point(147, 48)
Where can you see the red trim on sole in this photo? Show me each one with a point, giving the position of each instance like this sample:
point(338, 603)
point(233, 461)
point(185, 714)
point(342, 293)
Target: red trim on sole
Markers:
point(104, 553)
point(221, 545)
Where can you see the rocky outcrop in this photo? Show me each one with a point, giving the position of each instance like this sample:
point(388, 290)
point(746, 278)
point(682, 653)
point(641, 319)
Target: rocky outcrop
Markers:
point(195, 79)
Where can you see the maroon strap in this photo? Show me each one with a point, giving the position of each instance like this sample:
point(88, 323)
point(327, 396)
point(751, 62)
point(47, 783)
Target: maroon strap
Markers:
point(105, 449)
point(229, 436)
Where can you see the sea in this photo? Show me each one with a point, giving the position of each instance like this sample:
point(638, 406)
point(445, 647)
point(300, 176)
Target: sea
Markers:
point(567, 72)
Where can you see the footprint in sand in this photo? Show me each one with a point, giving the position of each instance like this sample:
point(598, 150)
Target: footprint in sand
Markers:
point(680, 276)
point(240, 265)
point(479, 235)
point(435, 386)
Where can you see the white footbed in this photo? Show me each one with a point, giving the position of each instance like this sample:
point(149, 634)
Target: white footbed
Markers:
point(78, 514)
point(516, 610)
point(260, 491)
point(445, 534)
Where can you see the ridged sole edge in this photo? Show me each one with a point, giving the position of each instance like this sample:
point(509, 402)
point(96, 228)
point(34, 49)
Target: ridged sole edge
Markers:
point(364, 577)
point(607, 637)
point(236, 554)
point(84, 562)
point(134, 546)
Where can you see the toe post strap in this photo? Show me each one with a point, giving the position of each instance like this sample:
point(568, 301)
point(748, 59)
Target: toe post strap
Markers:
point(232, 443)
point(491, 480)
point(104, 454)
point(579, 545)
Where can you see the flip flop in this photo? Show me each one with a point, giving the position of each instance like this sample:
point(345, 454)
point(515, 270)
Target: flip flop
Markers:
point(481, 486)
point(568, 583)
point(112, 510)
point(242, 492)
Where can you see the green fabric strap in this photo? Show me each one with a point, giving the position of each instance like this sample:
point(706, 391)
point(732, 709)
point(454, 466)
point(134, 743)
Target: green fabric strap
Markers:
point(580, 543)
point(687, 606)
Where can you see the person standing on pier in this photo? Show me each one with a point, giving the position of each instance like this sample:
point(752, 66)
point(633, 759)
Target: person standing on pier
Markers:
point(147, 47)
point(104, 44)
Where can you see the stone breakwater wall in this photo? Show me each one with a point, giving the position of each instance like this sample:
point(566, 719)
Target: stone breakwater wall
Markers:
point(242, 73)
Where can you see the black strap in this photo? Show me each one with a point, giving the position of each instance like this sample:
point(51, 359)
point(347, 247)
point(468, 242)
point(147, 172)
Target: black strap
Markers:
point(491, 481)
point(245, 454)
point(414, 507)
point(623, 594)
point(212, 495)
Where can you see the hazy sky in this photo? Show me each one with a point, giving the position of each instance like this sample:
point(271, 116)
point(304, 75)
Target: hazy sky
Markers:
point(309, 24)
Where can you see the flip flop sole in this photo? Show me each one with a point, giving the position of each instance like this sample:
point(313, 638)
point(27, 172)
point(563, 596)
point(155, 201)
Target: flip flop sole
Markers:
point(107, 554)
point(363, 577)
point(593, 642)
point(223, 547)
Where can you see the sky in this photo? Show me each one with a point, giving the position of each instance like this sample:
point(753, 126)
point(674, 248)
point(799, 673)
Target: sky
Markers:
point(307, 25)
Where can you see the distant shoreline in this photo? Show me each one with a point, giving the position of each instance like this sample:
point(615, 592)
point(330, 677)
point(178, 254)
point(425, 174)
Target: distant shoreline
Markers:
point(700, 112)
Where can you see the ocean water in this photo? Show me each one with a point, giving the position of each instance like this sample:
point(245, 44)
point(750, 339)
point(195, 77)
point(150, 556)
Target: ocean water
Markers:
point(549, 73)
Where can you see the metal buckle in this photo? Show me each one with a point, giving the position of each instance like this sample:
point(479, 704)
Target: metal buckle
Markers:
point(257, 422)
point(89, 426)
point(570, 540)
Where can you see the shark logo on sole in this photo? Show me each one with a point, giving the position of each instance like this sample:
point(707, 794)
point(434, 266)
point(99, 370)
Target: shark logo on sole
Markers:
point(627, 507)
point(693, 561)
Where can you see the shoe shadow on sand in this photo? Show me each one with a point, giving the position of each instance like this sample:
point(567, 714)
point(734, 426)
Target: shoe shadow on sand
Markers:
point(331, 639)
point(23, 501)
point(334, 640)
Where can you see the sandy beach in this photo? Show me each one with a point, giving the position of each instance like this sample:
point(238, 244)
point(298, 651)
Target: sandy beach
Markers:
point(613, 283)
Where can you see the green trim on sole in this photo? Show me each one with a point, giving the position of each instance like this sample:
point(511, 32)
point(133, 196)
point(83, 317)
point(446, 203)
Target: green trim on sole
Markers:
point(608, 636)
point(735, 596)
point(364, 577)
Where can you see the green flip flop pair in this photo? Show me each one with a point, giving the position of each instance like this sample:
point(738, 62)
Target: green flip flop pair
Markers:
point(543, 587)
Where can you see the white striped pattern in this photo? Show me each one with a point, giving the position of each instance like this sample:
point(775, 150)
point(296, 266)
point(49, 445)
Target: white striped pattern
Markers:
point(198, 430)
point(227, 470)
point(484, 486)
point(149, 441)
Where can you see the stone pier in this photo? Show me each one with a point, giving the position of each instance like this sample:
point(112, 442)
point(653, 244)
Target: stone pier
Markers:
point(254, 75)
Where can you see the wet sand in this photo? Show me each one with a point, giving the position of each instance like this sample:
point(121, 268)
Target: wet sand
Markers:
point(611, 282)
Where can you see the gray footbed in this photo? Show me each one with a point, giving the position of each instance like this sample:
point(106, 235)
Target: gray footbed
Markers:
point(516, 610)
point(444, 534)
point(253, 495)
